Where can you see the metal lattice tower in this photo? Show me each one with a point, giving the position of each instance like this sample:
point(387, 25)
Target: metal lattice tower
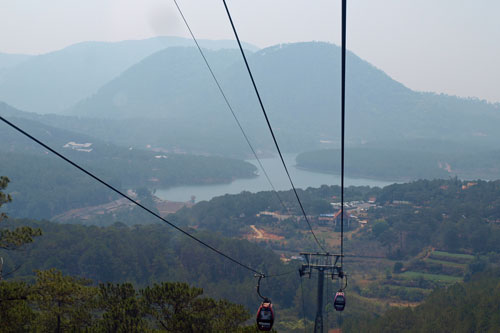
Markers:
point(323, 263)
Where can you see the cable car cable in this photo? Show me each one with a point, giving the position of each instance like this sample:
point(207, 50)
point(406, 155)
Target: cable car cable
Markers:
point(326, 303)
point(88, 173)
point(270, 127)
point(344, 18)
point(303, 304)
point(229, 106)
point(278, 274)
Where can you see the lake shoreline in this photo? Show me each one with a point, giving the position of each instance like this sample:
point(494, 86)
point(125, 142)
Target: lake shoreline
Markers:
point(274, 168)
point(356, 176)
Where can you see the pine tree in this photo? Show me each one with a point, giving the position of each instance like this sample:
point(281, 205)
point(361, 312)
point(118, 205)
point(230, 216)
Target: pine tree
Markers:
point(11, 239)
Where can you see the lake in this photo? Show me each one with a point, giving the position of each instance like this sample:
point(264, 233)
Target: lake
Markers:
point(275, 170)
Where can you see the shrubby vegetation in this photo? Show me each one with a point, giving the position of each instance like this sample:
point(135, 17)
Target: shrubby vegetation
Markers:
point(15, 237)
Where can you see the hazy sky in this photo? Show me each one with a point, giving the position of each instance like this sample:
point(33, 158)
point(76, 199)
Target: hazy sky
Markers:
point(450, 46)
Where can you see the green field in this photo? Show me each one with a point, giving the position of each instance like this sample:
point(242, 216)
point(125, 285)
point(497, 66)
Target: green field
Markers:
point(431, 277)
point(410, 288)
point(445, 263)
point(443, 254)
point(423, 290)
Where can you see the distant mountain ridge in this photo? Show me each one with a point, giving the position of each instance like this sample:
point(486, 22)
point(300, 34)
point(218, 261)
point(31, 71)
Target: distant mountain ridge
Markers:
point(53, 82)
point(300, 86)
point(8, 60)
point(168, 99)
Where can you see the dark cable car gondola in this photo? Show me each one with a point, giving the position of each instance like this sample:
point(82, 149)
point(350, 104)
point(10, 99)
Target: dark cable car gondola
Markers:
point(339, 301)
point(265, 314)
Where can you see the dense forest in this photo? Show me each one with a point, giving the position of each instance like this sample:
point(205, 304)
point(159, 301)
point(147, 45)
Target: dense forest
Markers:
point(61, 303)
point(35, 174)
point(450, 215)
point(148, 254)
point(86, 258)
point(432, 233)
point(421, 161)
point(231, 213)
point(143, 256)
point(64, 188)
point(53, 301)
point(377, 163)
point(468, 307)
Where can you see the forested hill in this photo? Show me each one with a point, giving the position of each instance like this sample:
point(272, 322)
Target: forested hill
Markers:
point(373, 163)
point(36, 174)
point(53, 82)
point(144, 255)
point(407, 220)
point(136, 104)
point(194, 137)
point(147, 254)
point(296, 96)
point(452, 215)
point(63, 187)
point(399, 164)
point(468, 307)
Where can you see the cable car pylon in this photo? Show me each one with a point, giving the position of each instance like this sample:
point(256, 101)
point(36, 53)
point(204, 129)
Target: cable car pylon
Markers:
point(323, 263)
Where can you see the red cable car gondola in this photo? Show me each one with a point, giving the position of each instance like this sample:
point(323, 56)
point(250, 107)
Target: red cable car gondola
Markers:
point(339, 301)
point(265, 316)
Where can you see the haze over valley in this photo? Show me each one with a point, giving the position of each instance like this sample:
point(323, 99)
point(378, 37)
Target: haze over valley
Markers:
point(164, 97)
point(111, 153)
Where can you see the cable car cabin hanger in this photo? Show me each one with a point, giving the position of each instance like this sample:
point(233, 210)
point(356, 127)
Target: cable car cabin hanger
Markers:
point(265, 313)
